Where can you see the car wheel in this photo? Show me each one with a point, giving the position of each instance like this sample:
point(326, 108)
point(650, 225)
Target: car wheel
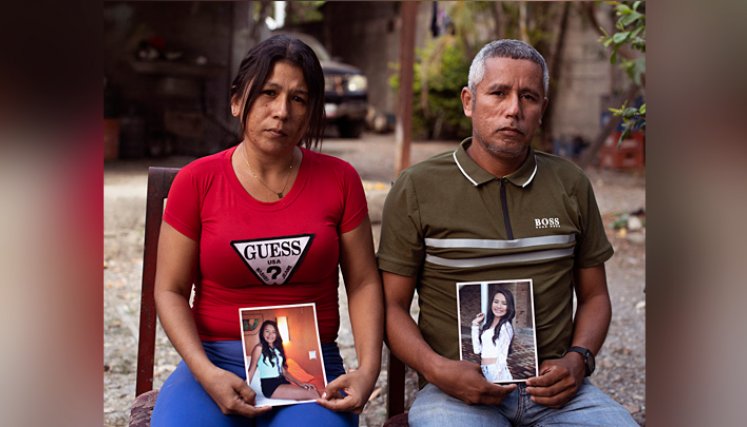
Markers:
point(350, 128)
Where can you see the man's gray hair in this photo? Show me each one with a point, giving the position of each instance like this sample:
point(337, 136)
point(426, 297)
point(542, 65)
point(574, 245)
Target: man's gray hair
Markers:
point(505, 48)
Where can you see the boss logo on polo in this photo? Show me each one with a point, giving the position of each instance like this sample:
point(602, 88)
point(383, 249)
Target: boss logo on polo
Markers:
point(546, 223)
point(273, 261)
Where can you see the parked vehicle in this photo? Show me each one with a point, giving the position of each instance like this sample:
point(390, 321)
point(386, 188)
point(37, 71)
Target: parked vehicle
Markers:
point(345, 91)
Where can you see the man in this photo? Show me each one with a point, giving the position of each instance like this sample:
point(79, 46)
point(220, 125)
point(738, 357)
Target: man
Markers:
point(495, 209)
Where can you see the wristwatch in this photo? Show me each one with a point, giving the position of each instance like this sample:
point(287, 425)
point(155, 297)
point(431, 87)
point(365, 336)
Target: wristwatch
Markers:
point(588, 358)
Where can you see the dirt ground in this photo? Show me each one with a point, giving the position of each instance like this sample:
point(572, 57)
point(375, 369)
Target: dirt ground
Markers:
point(621, 369)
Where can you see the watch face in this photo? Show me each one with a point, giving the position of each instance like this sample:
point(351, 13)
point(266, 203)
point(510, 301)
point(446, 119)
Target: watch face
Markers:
point(588, 358)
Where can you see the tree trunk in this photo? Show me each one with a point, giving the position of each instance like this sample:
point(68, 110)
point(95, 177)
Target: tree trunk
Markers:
point(554, 68)
point(497, 10)
point(523, 18)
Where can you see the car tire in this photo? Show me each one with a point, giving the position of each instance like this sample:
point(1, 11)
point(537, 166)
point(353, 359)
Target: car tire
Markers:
point(350, 128)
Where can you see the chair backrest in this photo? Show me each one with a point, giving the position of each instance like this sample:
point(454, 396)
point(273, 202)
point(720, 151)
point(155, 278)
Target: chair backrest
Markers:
point(159, 183)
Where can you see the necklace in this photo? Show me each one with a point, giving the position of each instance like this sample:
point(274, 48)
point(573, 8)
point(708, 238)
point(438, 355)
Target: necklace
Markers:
point(280, 193)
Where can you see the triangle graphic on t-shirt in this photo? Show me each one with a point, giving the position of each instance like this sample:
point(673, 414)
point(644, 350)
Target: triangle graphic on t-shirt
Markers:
point(274, 260)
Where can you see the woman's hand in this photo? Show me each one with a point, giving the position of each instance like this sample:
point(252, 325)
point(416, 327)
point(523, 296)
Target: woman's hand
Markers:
point(478, 319)
point(357, 387)
point(231, 393)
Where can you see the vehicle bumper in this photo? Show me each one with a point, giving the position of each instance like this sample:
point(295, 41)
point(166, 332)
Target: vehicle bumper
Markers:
point(352, 110)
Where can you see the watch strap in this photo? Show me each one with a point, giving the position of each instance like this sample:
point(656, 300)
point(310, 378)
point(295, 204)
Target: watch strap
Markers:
point(588, 358)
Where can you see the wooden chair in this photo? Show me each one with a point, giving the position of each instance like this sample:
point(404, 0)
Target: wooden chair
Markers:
point(159, 183)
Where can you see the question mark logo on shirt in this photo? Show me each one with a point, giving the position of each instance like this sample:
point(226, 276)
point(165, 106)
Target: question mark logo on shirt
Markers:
point(274, 270)
point(273, 261)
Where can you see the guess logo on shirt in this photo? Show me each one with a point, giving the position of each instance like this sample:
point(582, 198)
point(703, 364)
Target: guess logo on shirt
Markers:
point(273, 261)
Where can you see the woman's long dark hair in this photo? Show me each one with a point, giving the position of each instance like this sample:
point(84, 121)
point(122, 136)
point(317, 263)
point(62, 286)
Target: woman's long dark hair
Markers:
point(257, 66)
point(507, 318)
point(267, 353)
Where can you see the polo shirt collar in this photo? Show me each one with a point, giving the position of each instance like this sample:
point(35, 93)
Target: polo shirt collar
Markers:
point(522, 177)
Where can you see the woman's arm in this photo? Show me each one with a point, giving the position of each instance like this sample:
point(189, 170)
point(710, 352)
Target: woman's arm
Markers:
point(176, 270)
point(366, 308)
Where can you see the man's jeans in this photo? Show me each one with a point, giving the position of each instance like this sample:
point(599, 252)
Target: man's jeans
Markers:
point(590, 407)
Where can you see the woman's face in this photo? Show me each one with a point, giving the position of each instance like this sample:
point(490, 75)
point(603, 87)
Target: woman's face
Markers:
point(280, 115)
point(499, 307)
point(269, 334)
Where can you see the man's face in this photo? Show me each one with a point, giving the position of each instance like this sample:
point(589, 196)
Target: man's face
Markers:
point(506, 107)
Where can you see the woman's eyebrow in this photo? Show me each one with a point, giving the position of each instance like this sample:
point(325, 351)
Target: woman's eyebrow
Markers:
point(272, 85)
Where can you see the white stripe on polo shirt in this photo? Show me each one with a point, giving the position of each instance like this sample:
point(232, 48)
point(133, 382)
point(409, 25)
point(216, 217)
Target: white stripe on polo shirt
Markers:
point(500, 259)
point(528, 242)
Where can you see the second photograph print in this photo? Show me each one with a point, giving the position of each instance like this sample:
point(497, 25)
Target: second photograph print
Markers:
point(496, 328)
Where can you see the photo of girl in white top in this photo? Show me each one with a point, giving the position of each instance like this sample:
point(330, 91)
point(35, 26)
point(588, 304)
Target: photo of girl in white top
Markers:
point(268, 357)
point(493, 340)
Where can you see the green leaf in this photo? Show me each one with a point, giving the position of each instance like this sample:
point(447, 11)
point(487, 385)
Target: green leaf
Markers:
point(630, 112)
point(642, 110)
point(623, 135)
point(623, 9)
point(620, 38)
point(629, 19)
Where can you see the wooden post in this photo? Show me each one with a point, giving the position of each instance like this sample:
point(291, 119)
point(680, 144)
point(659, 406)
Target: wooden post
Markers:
point(403, 131)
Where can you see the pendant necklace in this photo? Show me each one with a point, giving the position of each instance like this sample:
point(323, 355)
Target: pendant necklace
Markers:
point(280, 193)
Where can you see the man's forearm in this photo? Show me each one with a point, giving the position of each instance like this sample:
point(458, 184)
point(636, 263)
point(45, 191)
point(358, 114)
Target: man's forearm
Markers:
point(408, 344)
point(592, 322)
point(594, 309)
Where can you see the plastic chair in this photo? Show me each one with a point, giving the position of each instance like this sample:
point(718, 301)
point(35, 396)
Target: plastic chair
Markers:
point(159, 183)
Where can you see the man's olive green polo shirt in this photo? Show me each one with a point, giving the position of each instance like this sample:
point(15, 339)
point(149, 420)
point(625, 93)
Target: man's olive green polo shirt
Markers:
point(447, 220)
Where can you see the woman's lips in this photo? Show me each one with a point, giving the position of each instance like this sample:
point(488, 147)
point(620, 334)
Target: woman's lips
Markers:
point(276, 132)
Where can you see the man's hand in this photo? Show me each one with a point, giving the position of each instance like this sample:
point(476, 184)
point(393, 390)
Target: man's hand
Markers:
point(464, 381)
point(231, 393)
point(357, 387)
point(558, 382)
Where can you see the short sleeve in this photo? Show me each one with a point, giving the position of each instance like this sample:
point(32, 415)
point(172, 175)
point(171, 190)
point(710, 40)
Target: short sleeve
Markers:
point(401, 247)
point(593, 247)
point(183, 205)
point(355, 206)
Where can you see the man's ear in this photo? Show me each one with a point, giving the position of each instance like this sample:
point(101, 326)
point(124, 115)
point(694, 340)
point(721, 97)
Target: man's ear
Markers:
point(467, 100)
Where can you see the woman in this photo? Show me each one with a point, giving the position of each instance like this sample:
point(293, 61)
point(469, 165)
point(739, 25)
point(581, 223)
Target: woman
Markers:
point(266, 222)
point(494, 341)
point(269, 356)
